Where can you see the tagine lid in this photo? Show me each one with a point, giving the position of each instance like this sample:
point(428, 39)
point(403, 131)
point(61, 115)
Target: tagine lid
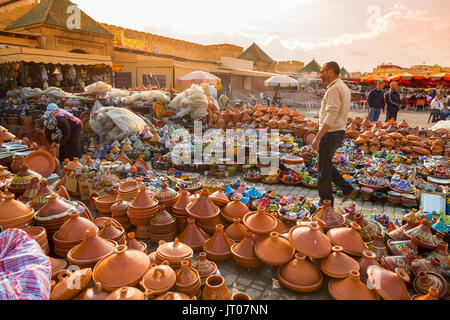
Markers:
point(165, 193)
point(338, 264)
point(182, 202)
point(126, 293)
point(275, 249)
point(259, 221)
point(174, 250)
point(159, 278)
point(203, 208)
point(91, 248)
point(310, 241)
point(75, 228)
point(143, 200)
point(12, 209)
point(389, 285)
point(173, 296)
point(350, 288)
point(55, 206)
point(348, 238)
point(235, 209)
point(301, 273)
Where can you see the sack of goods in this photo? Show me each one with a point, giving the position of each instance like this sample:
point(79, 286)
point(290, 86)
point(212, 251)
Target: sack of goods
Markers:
point(192, 102)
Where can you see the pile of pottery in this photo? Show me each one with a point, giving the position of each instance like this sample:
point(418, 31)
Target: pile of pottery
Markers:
point(128, 191)
point(179, 210)
point(166, 196)
point(141, 210)
point(13, 213)
point(103, 204)
point(163, 226)
point(39, 234)
point(174, 252)
point(119, 212)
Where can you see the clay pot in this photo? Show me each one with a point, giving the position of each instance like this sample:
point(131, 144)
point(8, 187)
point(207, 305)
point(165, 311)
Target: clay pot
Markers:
point(281, 227)
point(163, 223)
point(399, 233)
point(236, 230)
point(424, 234)
point(209, 226)
point(130, 264)
point(174, 252)
point(400, 248)
point(218, 247)
point(351, 288)
point(90, 250)
point(427, 279)
point(394, 262)
point(219, 197)
point(65, 290)
point(215, 289)
point(235, 209)
point(193, 235)
point(173, 295)
point(227, 115)
point(159, 279)
point(244, 253)
point(204, 267)
point(240, 296)
point(22, 180)
point(16, 163)
point(142, 208)
point(13, 213)
point(126, 293)
point(275, 250)
point(349, 239)
point(310, 241)
point(133, 244)
point(188, 280)
point(369, 228)
point(95, 293)
point(389, 285)
point(62, 192)
point(367, 259)
point(378, 246)
point(203, 208)
point(300, 275)
point(259, 222)
point(331, 218)
point(166, 196)
point(433, 294)
point(338, 264)
point(180, 205)
point(74, 229)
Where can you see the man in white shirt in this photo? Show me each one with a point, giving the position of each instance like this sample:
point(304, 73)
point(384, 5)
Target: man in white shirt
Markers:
point(438, 104)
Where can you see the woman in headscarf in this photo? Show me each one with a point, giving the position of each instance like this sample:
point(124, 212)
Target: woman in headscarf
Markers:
point(63, 128)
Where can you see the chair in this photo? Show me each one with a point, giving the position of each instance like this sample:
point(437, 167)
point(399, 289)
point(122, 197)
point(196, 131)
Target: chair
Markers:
point(435, 116)
point(420, 104)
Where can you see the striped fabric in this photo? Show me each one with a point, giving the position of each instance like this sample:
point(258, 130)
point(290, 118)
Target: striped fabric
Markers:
point(25, 271)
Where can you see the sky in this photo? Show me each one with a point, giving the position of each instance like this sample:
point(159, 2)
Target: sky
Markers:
point(358, 34)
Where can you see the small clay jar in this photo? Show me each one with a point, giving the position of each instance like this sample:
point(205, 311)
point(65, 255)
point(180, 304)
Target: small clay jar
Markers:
point(215, 289)
point(241, 296)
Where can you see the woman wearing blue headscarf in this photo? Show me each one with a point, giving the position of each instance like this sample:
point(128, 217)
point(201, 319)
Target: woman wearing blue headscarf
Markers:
point(63, 128)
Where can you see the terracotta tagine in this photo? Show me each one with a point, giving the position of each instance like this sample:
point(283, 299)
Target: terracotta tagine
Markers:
point(163, 226)
point(209, 226)
point(427, 279)
point(62, 192)
point(22, 180)
point(65, 290)
point(219, 197)
point(350, 288)
point(310, 240)
point(300, 275)
point(236, 230)
point(218, 247)
point(401, 248)
point(188, 280)
point(133, 244)
point(378, 246)
point(367, 259)
point(159, 279)
point(259, 222)
point(180, 205)
point(399, 233)
point(369, 228)
point(166, 195)
point(174, 252)
point(173, 296)
point(203, 208)
point(329, 216)
point(424, 234)
point(234, 209)
point(142, 208)
point(131, 265)
point(349, 239)
point(215, 289)
point(95, 293)
point(126, 293)
point(389, 285)
point(112, 232)
point(13, 213)
point(274, 250)
point(402, 262)
point(244, 253)
point(193, 235)
point(338, 264)
point(57, 265)
point(433, 294)
point(204, 267)
point(90, 250)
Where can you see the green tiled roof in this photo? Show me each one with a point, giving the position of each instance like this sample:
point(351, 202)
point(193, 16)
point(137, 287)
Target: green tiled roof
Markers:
point(54, 13)
point(313, 66)
point(255, 53)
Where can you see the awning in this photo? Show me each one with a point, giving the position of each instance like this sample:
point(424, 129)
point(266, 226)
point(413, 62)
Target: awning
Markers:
point(50, 56)
point(251, 73)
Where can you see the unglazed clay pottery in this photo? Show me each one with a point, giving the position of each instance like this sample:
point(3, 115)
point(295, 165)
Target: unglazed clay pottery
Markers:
point(13, 213)
point(236, 230)
point(219, 197)
point(119, 208)
point(126, 293)
point(188, 280)
point(173, 296)
point(350, 288)
point(131, 265)
point(281, 227)
point(432, 265)
point(348, 238)
point(367, 259)
point(240, 296)
point(159, 279)
point(378, 246)
point(142, 208)
point(274, 250)
point(193, 235)
point(74, 229)
point(402, 248)
point(174, 252)
point(180, 205)
point(133, 244)
point(423, 233)
point(57, 265)
point(338, 264)
point(166, 196)
point(388, 284)
point(209, 226)
point(234, 209)
point(73, 165)
point(95, 293)
point(427, 279)
point(163, 223)
point(259, 222)
point(244, 253)
point(331, 218)
point(310, 241)
point(62, 192)
point(215, 289)
point(300, 275)
point(204, 267)
point(399, 233)
point(203, 208)
point(90, 250)
point(394, 262)
point(71, 284)
point(218, 247)
point(433, 294)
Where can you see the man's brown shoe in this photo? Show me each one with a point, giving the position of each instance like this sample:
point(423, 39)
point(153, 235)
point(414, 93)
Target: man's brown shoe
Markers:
point(348, 196)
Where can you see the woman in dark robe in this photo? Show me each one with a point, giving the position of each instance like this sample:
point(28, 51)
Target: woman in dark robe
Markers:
point(65, 131)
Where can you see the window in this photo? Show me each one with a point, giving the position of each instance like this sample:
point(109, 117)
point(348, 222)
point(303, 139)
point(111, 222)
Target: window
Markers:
point(156, 49)
point(123, 80)
point(154, 81)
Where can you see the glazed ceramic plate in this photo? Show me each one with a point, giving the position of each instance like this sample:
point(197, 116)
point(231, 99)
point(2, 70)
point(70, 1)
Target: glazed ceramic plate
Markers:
point(438, 180)
point(16, 147)
point(23, 153)
point(41, 162)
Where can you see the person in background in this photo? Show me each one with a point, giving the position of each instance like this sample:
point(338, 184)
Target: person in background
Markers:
point(393, 102)
point(63, 128)
point(277, 99)
point(376, 102)
point(251, 99)
point(413, 100)
point(261, 98)
point(333, 117)
point(438, 105)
